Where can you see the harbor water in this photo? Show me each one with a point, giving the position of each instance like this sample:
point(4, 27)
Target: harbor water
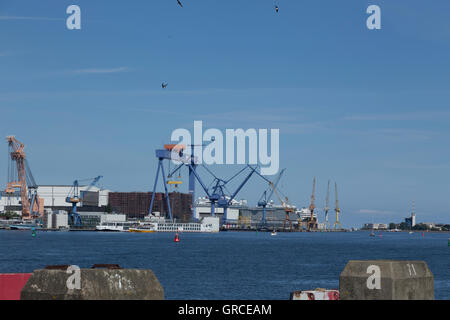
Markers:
point(228, 265)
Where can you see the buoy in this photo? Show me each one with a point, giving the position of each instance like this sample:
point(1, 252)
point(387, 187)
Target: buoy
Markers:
point(423, 234)
point(177, 238)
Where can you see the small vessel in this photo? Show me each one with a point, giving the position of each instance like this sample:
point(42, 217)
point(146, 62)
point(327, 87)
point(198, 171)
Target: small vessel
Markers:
point(372, 234)
point(143, 228)
point(274, 233)
point(22, 227)
point(411, 232)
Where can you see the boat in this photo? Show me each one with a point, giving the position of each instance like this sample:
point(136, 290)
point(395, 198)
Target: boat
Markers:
point(273, 233)
point(143, 228)
point(372, 234)
point(122, 226)
point(23, 227)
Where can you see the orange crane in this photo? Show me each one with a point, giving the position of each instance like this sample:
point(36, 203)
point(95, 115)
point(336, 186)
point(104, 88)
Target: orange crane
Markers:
point(288, 208)
point(312, 223)
point(20, 177)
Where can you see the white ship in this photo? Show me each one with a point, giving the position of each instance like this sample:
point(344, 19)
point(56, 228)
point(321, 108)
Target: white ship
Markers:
point(206, 224)
point(159, 224)
point(115, 226)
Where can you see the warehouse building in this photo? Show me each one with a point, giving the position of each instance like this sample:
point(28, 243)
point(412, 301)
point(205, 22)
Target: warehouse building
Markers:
point(137, 204)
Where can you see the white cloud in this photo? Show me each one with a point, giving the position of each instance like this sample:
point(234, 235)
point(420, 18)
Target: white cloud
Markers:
point(371, 211)
point(406, 116)
point(30, 18)
point(101, 71)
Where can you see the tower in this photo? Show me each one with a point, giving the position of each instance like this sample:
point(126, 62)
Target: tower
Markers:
point(413, 215)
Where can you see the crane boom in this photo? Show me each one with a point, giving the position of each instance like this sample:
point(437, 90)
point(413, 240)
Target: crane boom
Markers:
point(275, 184)
point(327, 205)
point(286, 206)
point(337, 201)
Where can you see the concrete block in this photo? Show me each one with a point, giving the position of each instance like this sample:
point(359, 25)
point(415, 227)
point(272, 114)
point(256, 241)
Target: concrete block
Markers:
point(93, 284)
point(386, 280)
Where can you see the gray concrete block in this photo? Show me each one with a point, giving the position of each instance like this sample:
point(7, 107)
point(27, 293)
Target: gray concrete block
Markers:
point(386, 280)
point(94, 284)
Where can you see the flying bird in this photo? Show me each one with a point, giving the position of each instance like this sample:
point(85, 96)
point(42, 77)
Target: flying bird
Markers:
point(164, 85)
point(179, 2)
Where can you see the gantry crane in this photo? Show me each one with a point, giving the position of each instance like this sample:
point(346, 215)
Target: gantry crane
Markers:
point(312, 222)
point(327, 207)
point(20, 177)
point(216, 194)
point(74, 198)
point(337, 209)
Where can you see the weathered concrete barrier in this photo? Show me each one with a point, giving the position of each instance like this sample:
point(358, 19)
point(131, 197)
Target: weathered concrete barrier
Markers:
point(92, 284)
point(386, 280)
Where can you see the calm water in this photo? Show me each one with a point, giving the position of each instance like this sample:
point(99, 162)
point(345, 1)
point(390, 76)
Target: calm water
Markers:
point(228, 265)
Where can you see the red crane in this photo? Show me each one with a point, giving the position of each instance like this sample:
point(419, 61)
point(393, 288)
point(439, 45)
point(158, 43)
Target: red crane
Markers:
point(20, 177)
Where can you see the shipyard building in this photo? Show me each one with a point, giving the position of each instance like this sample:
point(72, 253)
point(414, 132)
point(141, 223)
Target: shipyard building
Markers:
point(54, 197)
point(121, 206)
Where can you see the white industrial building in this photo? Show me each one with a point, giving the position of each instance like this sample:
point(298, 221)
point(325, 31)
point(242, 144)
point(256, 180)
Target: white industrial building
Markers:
point(203, 209)
point(376, 226)
point(55, 196)
point(58, 219)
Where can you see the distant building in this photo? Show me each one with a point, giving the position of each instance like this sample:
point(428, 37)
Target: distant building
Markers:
point(55, 219)
point(376, 226)
point(429, 225)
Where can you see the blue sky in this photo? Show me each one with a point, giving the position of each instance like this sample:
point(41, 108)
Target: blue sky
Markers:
point(368, 109)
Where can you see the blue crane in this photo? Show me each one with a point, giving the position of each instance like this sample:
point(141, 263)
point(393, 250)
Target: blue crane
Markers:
point(265, 198)
point(74, 198)
point(217, 193)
